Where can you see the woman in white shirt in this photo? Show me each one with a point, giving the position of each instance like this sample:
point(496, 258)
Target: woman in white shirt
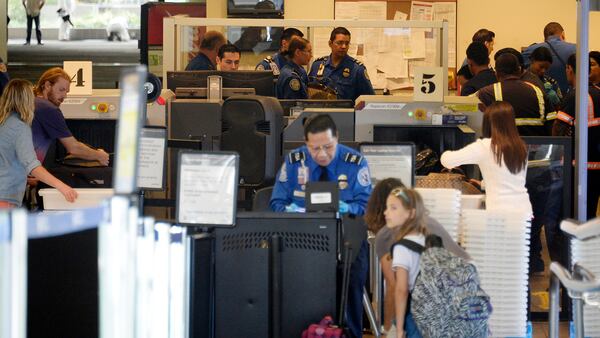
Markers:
point(502, 158)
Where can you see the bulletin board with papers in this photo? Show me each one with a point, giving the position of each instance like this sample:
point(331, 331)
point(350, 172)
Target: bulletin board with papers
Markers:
point(391, 54)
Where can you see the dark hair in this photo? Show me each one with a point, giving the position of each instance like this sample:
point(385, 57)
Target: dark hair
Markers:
point(338, 30)
point(228, 48)
point(572, 61)
point(499, 125)
point(374, 216)
point(319, 123)
point(211, 40)
point(289, 33)
point(297, 43)
point(512, 51)
point(478, 53)
point(551, 29)
point(541, 54)
point(595, 55)
point(483, 35)
point(507, 64)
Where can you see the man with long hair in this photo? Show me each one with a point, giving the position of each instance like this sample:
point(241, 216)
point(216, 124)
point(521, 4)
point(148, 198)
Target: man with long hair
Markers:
point(49, 123)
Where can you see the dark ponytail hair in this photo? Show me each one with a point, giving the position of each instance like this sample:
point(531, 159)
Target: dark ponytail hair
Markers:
point(296, 43)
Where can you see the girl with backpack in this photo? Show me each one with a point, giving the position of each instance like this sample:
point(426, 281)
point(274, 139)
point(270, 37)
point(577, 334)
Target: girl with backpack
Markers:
point(405, 209)
point(385, 237)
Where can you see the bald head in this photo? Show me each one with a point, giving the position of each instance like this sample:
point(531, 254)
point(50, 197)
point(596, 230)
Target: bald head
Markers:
point(212, 40)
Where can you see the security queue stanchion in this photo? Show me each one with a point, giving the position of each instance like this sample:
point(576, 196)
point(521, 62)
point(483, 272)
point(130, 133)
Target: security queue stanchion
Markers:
point(13, 274)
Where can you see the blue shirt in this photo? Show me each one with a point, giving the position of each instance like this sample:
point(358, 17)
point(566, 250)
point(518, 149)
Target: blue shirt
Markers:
point(200, 62)
point(292, 82)
point(348, 167)
point(274, 63)
point(349, 78)
point(17, 159)
point(558, 68)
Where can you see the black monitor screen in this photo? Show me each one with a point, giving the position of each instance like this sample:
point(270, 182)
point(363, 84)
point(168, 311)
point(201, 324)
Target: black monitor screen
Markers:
point(248, 260)
point(256, 8)
point(260, 80)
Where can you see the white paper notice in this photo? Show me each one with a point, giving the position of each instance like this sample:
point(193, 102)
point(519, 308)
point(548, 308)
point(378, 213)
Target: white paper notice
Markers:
point(151, 161)
point(320, 42)
point(372, 10)
point(393, 65)
point(207, 186)
point(447, 11)
point(415, 48)
point(422, 11)
point(400, 16)
point(346, 11)
point(382, 167)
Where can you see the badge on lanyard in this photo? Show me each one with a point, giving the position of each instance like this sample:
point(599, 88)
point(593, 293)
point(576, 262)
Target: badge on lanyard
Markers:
point(303, 174)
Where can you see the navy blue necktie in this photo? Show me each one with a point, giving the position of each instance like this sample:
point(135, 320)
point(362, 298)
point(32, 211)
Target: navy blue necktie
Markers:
point(324, 175)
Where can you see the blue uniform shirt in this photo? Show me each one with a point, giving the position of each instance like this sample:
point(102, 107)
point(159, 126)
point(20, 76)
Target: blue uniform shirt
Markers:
point(292, 82)
point(349, 78)
point(349, 168)
point(200, 62)
point(274, 63)
point(558, 68)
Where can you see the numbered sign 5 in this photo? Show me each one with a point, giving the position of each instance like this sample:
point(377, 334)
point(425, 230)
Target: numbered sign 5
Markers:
point(428, 85)
point(81, 76)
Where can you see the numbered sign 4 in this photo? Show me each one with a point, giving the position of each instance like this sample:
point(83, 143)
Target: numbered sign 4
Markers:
point(81, 77)
point(428, 85)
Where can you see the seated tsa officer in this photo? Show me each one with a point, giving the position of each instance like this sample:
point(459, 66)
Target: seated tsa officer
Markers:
point(323, 159)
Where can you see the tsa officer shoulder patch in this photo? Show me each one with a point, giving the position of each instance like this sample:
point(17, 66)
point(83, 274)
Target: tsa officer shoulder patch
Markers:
point(363, 177)
point(353, 158)
point(297, 157)
point(295, 84)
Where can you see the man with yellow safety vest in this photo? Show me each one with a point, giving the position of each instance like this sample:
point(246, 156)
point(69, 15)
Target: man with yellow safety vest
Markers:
point(564, 125)
point(530, 104)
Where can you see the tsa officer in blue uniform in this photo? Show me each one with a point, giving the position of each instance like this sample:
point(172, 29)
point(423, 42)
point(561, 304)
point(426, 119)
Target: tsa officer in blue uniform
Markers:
point(207, 55)
point(276, 61)
point(323, 159)
point(293, 80)
point(340, 71)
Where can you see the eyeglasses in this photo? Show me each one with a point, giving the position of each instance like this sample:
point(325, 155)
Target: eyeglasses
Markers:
point(401, 193)
point(341, 43)
point(326, 148)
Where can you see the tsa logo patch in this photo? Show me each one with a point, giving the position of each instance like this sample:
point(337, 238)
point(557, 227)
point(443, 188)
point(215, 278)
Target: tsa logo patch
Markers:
point(363, 176)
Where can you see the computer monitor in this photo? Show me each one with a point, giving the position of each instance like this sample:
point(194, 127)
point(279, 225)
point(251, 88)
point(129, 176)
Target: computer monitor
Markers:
point(260, 80)
point(288, 104)
point(386, 160)
point(343, 118)
point(268, 266)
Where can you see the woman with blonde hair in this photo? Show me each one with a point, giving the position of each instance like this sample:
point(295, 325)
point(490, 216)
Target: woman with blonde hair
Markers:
point(17, 157)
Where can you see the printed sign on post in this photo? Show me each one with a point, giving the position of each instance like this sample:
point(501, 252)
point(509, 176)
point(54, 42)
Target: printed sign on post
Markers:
point(429, 82)
point(81, 77)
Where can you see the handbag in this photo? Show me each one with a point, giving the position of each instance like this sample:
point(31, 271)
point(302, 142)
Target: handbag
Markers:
point(448, 179)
